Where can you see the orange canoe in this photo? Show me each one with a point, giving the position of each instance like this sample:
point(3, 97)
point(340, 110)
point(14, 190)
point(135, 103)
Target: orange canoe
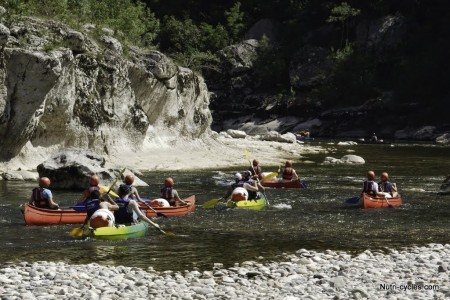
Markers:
point(174, 211)
point(381, 202)
point(281, 183)
point(42, 216)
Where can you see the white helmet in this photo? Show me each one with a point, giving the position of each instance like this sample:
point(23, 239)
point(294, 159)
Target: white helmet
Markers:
point(237, 176)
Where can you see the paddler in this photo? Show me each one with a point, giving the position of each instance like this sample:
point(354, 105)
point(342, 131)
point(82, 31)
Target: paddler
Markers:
point(370, 187)
point(133, 194)
point(124, 215)
point(170, 194)
point(255, 170)
point(252, 186)
point(389, 189)
point(288, 172)
point(99, 211)
point(238, 183)
point(94, 182)
point(41, 196)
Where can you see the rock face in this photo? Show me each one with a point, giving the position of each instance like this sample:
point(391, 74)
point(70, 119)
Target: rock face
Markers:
point(71, 169)
point(60, 88)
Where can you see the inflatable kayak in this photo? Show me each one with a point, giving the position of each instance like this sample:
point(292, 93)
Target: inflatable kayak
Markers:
point(256, 204)
point(116, 233)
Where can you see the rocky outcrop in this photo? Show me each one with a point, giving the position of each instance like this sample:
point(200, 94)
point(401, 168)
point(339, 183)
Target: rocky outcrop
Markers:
point(310, 67)
point(349, 159)
point(60, 87)
point(72, 168)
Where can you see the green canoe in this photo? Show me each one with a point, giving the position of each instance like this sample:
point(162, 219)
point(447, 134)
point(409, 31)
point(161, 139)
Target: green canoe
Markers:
point(120, 232)
point(257, 204)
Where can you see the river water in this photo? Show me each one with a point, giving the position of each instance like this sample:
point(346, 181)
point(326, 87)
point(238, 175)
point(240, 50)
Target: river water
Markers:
point(315, 218)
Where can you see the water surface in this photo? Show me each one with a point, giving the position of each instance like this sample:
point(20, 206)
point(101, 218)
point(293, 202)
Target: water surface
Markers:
point(314, 218)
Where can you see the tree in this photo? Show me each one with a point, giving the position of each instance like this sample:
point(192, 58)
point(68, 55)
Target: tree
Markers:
point(235, 21)
point(341, 14)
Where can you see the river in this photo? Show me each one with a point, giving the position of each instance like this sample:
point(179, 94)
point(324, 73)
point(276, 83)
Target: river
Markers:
point(315, 218)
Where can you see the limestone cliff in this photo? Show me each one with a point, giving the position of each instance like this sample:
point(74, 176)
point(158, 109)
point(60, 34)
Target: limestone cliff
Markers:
point(65, 88)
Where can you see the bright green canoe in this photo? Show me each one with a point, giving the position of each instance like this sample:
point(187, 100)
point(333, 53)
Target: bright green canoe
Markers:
point(257, 204)
point(120, 232)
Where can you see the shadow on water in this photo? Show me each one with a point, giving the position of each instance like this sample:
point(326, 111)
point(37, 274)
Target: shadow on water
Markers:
point(315, 218)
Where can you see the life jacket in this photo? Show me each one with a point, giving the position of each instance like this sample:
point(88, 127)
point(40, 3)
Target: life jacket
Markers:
point(87, 192)
point(122, 215)
point(130, 186)
point(368, 188)
point(385, 187)
point(91, 206)
point(251, 194)
point(167, 193)
point(256, 171)
point(237, 184)
point(239, 194)
point(288, 173)
point(38, 198)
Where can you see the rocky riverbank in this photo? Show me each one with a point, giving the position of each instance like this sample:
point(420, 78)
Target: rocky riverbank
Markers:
point(416, 272)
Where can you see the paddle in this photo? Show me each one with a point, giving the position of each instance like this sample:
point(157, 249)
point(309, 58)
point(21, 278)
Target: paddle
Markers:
point(251, 165)
point(269, 176)
point(78, 232)
point(159, 214)
point(353, 200)
point(387, 201)
point(211, 203)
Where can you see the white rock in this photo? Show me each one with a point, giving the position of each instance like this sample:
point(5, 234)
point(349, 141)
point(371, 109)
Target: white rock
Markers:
point(236, 134)
point(353, 159)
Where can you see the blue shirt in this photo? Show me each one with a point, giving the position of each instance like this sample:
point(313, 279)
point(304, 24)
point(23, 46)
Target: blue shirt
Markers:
point(46, 194)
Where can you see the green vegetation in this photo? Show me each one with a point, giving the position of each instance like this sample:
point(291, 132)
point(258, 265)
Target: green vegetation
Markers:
point(192, 31)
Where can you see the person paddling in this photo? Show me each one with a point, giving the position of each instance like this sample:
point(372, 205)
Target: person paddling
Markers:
point(252, 186)
point(370, 187)
point(255, 170)
point(41, 196)
point(288, 172)
point(389, 189)
point(133, 192)
point(124, 215)
point(170, 194)
point(94, 182)
point(99, 211)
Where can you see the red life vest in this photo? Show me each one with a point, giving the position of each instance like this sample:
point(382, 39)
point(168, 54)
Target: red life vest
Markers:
point(38, 198)
point(288, 173)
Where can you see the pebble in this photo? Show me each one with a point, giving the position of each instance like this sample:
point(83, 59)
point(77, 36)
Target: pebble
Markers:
point(306, 274)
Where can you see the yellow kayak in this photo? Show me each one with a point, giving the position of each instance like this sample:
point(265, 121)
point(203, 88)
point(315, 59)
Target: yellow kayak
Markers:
point(120, 232)
point(257, 204)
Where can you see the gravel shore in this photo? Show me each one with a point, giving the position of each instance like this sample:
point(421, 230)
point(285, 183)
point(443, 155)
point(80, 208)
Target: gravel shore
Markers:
point(413, 273)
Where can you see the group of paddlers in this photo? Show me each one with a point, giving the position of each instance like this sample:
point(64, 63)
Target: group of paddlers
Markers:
point(247, 184)
point(101, 209)
point(384, 188)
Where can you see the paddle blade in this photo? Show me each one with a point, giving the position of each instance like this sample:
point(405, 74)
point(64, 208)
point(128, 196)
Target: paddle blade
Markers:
point(353, 200)
point(211, 203)
point(105, 189)
point(247, 155)
point(167, 233)
point(303, 185)
point(269, 176)
point(76, 232)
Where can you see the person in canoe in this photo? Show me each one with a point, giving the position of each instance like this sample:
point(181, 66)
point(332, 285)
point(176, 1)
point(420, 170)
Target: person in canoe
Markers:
point(124, 215)
point(255, 170)
point(288, 172)
point(370, 187)
point(133, 193)
point(99, 210)
point(94, 182)
point(41, 196)
point(170, 194)
point(252, 186)
point(387, 188)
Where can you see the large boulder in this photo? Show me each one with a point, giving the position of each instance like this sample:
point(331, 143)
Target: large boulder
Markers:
point(236, 134)
point(382, 34)
point(443, 139)
point(425, 133)
point(349, 159)
point(309, 67)
point(19, 175)
point(4, 35)
point(274, 136)
point(71, 169)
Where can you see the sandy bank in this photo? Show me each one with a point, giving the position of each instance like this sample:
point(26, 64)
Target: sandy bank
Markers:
point(205, 153)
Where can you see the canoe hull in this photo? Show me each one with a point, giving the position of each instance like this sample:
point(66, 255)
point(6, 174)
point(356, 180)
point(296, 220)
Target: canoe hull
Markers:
point(281, 183)
point(119, 233)
point(41, 216)
point(258, 204)
point(381, 202)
